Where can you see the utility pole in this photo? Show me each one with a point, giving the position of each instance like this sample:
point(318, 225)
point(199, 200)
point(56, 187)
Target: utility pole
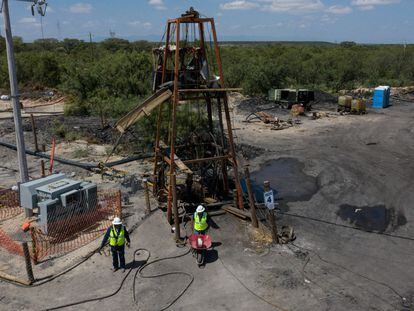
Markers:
point(91, 46)
point(21, 150)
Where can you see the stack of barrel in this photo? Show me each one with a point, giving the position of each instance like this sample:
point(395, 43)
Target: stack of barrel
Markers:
point(347, 103)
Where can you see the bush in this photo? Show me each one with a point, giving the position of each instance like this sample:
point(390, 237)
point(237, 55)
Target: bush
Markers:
point(80, 152)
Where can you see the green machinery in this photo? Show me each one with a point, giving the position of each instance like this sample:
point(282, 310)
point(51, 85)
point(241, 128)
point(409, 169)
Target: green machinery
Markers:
point(289, 97)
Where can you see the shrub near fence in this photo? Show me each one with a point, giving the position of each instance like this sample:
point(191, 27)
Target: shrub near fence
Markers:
point(63, 235)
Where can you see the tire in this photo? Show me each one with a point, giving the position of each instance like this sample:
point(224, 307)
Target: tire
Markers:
point(200, 257)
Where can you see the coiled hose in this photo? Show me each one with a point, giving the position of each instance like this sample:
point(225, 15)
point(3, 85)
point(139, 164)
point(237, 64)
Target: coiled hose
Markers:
point(140, 273)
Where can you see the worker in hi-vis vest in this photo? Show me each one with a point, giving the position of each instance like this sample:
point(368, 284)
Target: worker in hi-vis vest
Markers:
point(201, 220)
point(118, 236)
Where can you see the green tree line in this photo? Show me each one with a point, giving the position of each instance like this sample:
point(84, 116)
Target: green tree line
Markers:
point(113, 75)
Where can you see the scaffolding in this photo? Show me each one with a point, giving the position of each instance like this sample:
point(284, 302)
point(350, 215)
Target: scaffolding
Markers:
point(190, 66)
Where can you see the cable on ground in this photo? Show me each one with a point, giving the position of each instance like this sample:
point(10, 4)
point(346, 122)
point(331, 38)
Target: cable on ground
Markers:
point(140, 273)
point(349, 227)
point(350, 271)
point(251, 291)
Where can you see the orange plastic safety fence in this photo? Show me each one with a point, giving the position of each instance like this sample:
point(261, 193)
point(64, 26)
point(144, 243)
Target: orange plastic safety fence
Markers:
point(9, 244)
point(65, 235)
point(9, 204)
point(61, 236)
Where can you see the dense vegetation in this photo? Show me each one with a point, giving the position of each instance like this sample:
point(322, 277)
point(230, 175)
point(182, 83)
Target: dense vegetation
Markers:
point(111, 76)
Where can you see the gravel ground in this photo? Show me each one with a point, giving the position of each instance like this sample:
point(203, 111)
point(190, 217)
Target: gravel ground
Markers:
point(357, 174)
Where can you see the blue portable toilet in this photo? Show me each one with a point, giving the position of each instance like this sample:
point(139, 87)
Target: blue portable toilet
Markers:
point(381, 97)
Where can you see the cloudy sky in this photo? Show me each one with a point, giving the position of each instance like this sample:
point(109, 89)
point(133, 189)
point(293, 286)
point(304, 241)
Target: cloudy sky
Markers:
point(368, 21)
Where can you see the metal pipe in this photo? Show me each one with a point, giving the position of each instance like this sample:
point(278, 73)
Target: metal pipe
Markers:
point(175, 209)
point(86, 166)
point(218, 158)
point(220, 90)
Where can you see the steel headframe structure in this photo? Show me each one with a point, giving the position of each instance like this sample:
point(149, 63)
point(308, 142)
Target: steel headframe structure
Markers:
point(172, 70)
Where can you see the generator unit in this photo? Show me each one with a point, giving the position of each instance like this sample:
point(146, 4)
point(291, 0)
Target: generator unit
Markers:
point(289, 97)
point(57, 198)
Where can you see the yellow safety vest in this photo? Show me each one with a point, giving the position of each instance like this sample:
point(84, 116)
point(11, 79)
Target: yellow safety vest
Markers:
point(200, 224)
point(117, 240)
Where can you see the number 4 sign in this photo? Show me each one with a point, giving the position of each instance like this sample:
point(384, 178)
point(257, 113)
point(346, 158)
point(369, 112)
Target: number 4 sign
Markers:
point(269, 199)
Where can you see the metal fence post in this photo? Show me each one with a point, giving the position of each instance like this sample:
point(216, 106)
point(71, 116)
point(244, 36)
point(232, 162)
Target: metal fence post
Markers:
point(251, 199)
point(34, 245)
point(32, 119)
point(175, 208)
point(146, 194)
point(119, 209)
point(28, 262)
point(271, 215)
point(42, 162)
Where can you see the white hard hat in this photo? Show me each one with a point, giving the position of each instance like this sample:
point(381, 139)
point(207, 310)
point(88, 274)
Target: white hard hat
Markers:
point(117, 221)
point(200, 209)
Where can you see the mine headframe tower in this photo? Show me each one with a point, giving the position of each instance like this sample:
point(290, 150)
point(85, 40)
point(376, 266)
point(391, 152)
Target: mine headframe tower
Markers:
point(190, 66)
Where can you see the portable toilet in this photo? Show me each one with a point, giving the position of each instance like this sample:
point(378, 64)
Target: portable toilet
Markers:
point(381, 97)
point(388, 96)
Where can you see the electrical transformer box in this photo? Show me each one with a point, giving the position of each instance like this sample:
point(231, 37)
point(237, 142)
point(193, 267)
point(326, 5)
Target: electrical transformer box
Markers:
point(28, 193)
point(58, 198)
point(55, 189)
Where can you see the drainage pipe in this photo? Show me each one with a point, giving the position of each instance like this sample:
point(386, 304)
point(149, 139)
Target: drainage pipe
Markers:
point(86, 166)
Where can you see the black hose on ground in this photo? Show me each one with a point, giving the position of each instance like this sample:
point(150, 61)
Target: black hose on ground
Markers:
point(139, 272)
point(47, 279)
point(172, 301)
point(86, 166)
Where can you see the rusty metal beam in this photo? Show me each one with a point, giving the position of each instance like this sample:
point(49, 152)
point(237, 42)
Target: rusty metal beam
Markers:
point(180, 164)
point(159, 119)
point(174, 123)
point(143, 109)
point(228, 120)
point(184, 20)
point(223, 146)
point(193, 161)
point(229, 89)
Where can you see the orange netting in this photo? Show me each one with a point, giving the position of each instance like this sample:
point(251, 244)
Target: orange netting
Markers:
point(9, 204)
point(9, 244)
point(88, 220)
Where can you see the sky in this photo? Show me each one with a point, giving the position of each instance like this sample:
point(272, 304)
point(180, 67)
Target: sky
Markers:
point(362, 21)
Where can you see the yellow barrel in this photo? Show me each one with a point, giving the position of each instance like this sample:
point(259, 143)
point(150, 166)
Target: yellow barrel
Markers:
point(345, 101)
point(358, 105)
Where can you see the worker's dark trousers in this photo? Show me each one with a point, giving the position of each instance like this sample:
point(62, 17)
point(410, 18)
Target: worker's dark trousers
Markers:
point(118, 251)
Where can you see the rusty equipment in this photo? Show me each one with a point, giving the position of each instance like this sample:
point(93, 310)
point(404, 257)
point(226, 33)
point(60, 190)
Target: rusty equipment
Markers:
point(266, 118)
point(188, 77)
point(191, 66)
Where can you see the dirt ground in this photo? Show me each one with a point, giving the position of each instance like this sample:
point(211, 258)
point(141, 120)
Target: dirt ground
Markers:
point(344, 184)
